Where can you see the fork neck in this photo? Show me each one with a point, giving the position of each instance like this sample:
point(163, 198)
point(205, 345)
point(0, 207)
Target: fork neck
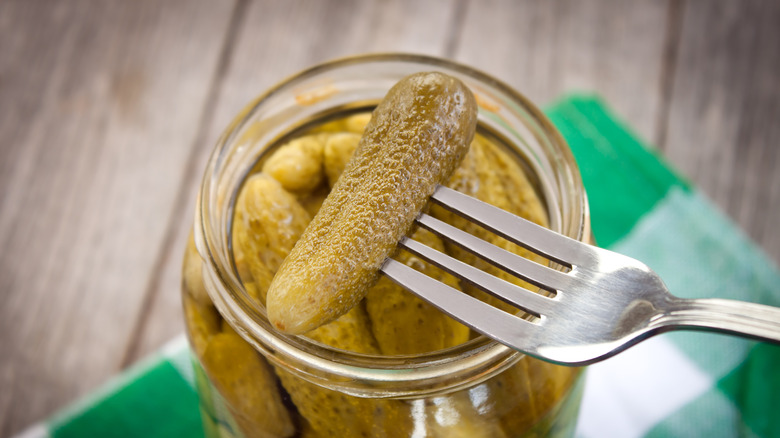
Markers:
point(724, 316)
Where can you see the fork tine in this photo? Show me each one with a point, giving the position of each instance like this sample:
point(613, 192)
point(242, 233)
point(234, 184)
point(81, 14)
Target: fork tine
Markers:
point(532, 272)
point(527, 234)
point(515, 295)
point(506, 328)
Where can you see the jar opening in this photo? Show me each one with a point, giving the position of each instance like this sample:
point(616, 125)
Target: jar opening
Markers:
point(351, 83)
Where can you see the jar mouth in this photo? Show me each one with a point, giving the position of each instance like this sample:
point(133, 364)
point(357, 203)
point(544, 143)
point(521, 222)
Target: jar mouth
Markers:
point(273, 114)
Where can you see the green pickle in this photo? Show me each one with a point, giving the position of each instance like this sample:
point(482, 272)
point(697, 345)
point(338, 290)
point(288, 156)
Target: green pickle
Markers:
point(248, 385)
point(243, 380)
point(267, 223)
point(416, 137)
point(486, 174)
point(337, 152)
point(402, 317)
point(297, 165)
point(331, 413)
point(298, 192)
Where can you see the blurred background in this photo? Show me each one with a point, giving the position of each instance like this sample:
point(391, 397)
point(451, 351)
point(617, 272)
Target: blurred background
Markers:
point(108, 110)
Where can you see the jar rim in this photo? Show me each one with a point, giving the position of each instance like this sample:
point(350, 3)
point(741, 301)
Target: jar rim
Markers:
point(356, 373)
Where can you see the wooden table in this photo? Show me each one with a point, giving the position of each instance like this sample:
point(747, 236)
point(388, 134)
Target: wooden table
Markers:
point(108, 110)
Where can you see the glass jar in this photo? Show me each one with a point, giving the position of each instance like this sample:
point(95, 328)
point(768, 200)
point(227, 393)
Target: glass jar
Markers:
point(479, 388)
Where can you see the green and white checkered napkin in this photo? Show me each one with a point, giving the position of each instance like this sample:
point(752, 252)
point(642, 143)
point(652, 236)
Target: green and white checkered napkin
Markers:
point(677, 384)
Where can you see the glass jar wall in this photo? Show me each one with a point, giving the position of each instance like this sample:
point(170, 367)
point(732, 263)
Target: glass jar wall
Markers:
point(255, 381)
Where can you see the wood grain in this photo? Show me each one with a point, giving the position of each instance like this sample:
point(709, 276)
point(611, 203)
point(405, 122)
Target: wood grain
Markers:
point(100, 105)
point(546, 49)
point(723, 129)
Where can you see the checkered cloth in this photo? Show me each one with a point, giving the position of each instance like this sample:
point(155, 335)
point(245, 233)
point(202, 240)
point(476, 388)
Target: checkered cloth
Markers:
point(676, 384)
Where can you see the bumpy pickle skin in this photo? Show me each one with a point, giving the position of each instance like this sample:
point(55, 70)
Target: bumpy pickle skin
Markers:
point(313, 201)
point(352, 332)
point(192, 274)
point(523, 199)
point(355, 124)
point(476, 177)
point(248, 385)
point(200, 315)
point(416, 137)
point(297, 165)
point(399, 315)
point(461, 415)
point(536, 389)
point(406, 324)
point(268, 220)
point(203, 322)
point(333, 414)
point(338, 151)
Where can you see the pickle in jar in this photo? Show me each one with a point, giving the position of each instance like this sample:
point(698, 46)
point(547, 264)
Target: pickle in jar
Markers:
point(416, 137)
point(272, 211)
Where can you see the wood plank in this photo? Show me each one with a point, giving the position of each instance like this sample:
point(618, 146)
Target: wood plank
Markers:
point(100, 105)
point(274, 43)
point(723, 129)
point(108, 110)
point(546, 49)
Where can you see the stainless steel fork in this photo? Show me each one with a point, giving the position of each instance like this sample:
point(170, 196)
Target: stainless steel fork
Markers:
point(605, 302)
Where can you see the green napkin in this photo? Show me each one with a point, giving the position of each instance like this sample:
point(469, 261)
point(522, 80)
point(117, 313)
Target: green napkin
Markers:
point(677, 384)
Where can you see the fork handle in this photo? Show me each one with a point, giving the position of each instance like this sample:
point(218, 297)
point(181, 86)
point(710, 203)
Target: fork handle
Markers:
point(739, 318)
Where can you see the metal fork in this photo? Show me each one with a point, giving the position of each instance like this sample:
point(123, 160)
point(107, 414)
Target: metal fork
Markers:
point(605, 303)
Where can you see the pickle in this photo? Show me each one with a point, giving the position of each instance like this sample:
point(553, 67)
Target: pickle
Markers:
point(192, 275)
point(520, 386)
point(402, 323)
point(551, 383)
point(313, 201)
point(202, 321)
point(200, 315)
point(335, 414)
point(332, 413)
point(267, 222)
point(355, 123)
point(261, 276)
point(306, 431)
point(399, 316)
point(218, 421)
point(416, 137)
point(338, 151)
point(352, 332)
point(461, 415)
point(297, 165)
point(478, 178)
point(248, 386)
point(536, 388)
point(523, 200)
